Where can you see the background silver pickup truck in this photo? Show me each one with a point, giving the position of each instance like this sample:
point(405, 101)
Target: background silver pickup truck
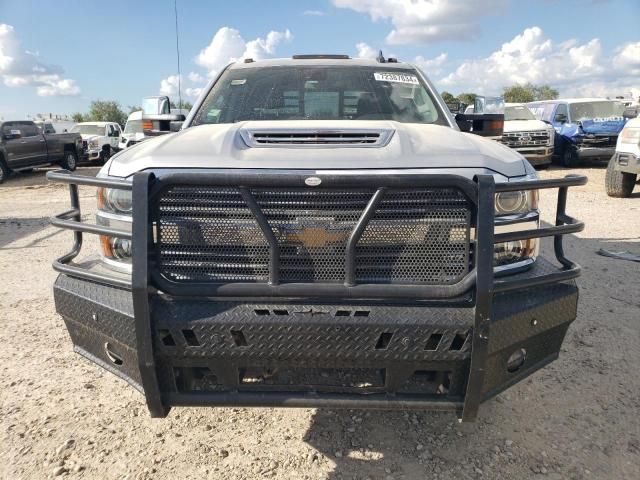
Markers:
point(320, 233)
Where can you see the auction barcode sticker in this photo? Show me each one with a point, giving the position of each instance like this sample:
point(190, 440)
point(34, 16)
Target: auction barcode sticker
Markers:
point(396, 77)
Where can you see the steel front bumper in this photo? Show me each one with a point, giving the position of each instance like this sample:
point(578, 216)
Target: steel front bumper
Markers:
point(210, 352)
point(537, 155)
point(594, 152)
point(626, 162)
point(314, 345)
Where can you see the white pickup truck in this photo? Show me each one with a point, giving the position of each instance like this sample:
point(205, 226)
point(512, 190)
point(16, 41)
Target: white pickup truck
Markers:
point(532, 138)
point(624, 166)
point(319, 233)
point(100, 139)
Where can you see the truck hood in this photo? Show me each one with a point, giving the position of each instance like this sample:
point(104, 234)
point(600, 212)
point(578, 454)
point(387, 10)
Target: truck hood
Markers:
point(410, 146)
point(604, 126)
point(525, 125)
point(601, 126)
point(88, 137)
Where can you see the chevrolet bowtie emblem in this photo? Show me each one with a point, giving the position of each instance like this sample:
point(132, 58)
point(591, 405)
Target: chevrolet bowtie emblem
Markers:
point(315, 237)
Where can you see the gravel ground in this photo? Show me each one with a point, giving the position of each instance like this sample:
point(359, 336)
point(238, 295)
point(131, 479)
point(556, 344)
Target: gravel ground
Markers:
point(63, 416)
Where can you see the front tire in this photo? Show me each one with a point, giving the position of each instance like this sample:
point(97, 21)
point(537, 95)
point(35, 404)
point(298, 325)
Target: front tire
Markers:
point(569, 157)
point(4, 170)
point(618, 184)
point(105, 155)
point(70, 161)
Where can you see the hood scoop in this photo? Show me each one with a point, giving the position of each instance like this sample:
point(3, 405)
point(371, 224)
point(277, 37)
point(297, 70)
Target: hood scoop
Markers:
point(317, 138)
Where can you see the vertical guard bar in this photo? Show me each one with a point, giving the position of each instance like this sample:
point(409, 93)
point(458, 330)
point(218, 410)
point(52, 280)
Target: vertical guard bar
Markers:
point(140, 283)
point(77, 235)
point(557, 239)
point(350, 250)
point(484, 296)
point(263, 223)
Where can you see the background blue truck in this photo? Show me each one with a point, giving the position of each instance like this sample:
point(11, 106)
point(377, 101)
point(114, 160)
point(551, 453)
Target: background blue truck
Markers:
point(586, 128)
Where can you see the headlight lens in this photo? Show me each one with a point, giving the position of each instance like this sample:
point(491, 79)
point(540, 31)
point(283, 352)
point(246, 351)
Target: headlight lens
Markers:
point(509, 203)
point(94, 144)
point(508, 253)
point(114, 210)
point(630, 135)
point(115, 200)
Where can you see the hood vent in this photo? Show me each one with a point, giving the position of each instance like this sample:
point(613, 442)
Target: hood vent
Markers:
point(316, 138)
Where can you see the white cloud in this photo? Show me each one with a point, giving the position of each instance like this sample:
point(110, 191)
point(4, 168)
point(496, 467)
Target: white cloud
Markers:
point(227, 46)
point(169, 86)
point(423, 21)
point(196, 77)
point(314, 13)
point(21, 68)
point(194, 92)
point(628, 58)
point(572, 68)
point(431, 66)
point(366, 51)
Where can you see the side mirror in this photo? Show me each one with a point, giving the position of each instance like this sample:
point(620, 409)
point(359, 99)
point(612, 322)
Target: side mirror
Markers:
point(175, 126)
point(483, 124)
point(464, 124)
point(561, 118)
point(12, 135)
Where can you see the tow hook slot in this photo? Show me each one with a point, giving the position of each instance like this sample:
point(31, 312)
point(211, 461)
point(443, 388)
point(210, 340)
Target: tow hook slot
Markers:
point(113, 356)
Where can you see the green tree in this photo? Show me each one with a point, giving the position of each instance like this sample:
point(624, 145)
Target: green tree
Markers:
point(447, 97)
point(467, 98)
point(545, 92)
point(77, 117)
point(529, 92)
point(105, 111)
point(134, 108)
point(185, 105)
point(519, 93)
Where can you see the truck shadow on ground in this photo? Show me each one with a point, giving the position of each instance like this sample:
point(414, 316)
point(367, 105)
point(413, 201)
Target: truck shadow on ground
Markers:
point(13, 229)
point(557, 405)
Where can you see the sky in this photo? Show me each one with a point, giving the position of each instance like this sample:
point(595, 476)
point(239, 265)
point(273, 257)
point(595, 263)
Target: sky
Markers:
point(59, 56)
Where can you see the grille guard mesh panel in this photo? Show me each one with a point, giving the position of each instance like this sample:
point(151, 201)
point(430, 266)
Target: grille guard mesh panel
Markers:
point(415, 236)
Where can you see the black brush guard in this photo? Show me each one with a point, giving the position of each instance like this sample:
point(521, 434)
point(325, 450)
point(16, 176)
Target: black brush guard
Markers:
point(81, 292)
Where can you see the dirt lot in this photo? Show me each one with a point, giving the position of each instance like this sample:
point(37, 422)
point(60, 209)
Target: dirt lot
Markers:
point(62, 416)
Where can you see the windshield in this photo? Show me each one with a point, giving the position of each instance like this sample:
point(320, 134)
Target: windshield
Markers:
point(594, 110)
point(133, 126)
point(319, 93)
point(88, 130)
point(518, 112)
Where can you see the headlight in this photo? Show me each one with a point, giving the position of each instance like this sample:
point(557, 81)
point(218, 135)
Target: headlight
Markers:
point(114, 210)
point(115, 200)
point(516, 211)
point(94, 144)
point(509, 253)
point(509, 203)
point(630, 135)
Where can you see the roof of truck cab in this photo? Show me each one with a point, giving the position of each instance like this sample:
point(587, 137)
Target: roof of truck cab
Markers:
point(322, 62)
point(573, 100)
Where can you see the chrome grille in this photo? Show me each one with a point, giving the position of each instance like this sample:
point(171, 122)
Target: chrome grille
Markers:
point(415, 236)
point(526, 139)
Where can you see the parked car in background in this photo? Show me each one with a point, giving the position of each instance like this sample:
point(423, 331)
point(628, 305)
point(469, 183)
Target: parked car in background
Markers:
point(133, 130)
point(585, 127)
point(524, 133)
point(24, 146)
point(101, 139)
point(624, 166)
